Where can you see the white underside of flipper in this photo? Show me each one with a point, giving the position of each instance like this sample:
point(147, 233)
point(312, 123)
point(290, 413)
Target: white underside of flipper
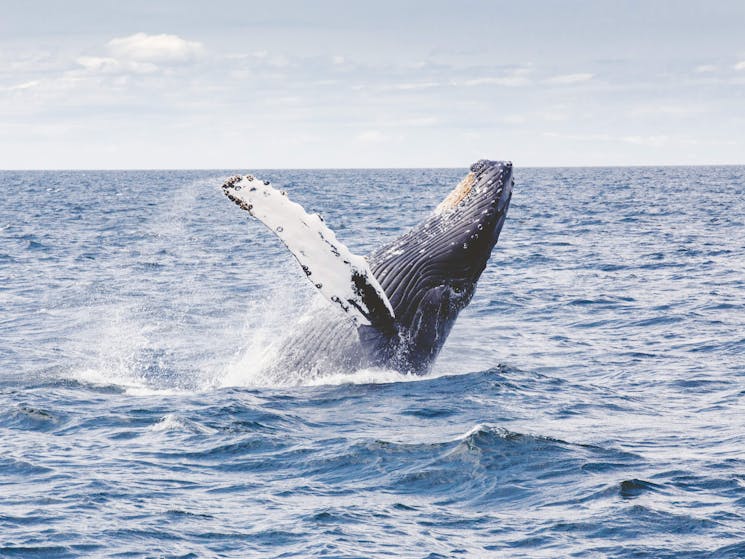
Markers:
point(345, 279)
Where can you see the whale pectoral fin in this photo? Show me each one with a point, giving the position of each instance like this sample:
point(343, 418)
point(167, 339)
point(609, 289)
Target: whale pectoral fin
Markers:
point(345, 279)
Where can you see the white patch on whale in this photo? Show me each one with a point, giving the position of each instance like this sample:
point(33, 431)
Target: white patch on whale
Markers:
point(342, 277)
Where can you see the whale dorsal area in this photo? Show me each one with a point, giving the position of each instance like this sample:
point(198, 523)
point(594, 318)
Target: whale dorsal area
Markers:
point(345, 279)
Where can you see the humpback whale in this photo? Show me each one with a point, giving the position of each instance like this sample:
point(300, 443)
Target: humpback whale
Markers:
point(395, 307)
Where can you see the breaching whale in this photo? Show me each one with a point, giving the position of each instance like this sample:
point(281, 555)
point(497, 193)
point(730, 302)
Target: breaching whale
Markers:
point(395, 307)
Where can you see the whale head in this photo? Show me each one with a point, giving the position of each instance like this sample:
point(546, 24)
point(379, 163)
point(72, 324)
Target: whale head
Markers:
point(430, 273)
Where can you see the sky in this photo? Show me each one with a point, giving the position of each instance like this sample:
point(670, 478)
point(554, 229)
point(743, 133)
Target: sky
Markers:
point(337, 84)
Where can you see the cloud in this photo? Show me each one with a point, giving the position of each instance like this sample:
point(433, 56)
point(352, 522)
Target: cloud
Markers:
point(372, 136)
point(512, 119)
point(156, 49)
point(567, 79)
point(740, 65)
point(411, 86)
point(511, 81)
point(651, 141)
point(420, 121)
point(385, 129)
point(260, 54)
point(580, 137)
point(378, 137)
point(516, 78)
point(706, 68)
point(141, 54)
point(21, 86)
point(109, 65)
point(413, 122)
point(556, 114)
point(661, 109)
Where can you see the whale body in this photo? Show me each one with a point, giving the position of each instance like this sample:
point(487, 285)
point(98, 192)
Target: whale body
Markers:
point(394, 308)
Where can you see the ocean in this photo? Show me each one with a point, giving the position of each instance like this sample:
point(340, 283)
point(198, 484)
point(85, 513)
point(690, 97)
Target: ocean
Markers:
point(590, 402)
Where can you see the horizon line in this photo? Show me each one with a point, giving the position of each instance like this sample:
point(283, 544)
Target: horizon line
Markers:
point(108, 169)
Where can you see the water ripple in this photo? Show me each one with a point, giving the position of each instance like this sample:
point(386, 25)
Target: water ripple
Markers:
point(588, 402)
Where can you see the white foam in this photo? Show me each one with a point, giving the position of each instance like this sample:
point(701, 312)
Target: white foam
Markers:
point(123, 344)
point(116, 342)
point(172, 422)
point(363, 376)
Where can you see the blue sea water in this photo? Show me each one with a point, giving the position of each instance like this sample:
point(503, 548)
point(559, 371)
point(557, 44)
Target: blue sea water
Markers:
point(589, 403)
